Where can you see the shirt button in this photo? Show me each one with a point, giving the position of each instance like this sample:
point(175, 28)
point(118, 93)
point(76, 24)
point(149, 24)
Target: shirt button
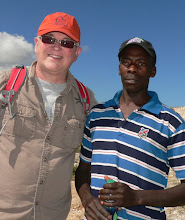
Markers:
point(65, 127)
point(36, 203)
point(41, 182)
point(80, 126)
point(45, 159)
point(48, 137)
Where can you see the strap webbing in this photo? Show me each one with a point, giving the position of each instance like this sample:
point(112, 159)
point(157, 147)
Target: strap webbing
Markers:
point(16, 79)
point(84, 95)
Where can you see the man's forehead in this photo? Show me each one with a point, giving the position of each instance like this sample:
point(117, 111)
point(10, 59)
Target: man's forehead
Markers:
point(59, 34)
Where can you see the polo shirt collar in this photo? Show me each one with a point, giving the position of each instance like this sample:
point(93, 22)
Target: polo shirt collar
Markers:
point(154, 105)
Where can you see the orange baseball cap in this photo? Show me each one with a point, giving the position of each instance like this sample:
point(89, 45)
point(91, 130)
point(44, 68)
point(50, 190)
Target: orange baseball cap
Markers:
point(60, 22)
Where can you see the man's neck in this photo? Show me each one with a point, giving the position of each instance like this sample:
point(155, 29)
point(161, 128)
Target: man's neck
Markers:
point(52, 77)
point(131, 102)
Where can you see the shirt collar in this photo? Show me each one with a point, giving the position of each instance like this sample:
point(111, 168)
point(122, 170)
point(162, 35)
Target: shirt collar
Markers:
point(153, 106)
point(71, 82)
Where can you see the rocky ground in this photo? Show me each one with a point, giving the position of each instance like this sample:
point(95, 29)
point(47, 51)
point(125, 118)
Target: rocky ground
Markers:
point(177, 213)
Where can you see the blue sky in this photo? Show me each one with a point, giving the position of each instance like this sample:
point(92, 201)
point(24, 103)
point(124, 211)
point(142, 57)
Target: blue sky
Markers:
point(104, 24)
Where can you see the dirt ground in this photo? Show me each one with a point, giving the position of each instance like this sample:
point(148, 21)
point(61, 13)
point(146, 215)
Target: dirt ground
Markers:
point(177, 213)
point(77, 210)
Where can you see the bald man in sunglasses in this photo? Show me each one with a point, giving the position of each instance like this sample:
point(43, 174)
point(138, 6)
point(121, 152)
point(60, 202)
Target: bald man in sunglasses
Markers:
point(38, 144)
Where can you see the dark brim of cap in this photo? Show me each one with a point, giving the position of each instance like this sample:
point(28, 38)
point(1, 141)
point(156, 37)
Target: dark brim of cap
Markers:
point(150, 51)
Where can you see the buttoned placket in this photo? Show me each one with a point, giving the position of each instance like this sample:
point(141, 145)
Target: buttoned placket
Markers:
point(44, 166)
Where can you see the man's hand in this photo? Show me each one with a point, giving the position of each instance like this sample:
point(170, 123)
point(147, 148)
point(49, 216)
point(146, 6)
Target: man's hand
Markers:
point(123, 196)
point(120, 194)
point(94, 210)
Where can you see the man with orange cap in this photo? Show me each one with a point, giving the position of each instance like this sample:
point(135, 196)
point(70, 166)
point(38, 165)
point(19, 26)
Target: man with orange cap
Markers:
point(38, 144)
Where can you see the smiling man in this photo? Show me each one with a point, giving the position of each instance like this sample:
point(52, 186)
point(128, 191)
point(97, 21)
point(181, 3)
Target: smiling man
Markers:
point(38, 144)
point(132, 139)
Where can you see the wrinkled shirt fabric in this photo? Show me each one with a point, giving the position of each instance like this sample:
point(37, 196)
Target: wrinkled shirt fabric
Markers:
point(37, 157)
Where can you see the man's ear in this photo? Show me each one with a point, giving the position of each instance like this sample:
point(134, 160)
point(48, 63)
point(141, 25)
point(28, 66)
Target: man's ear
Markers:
point(36, 42)
point(119, 70)
point(153, 72)
point(78, 52)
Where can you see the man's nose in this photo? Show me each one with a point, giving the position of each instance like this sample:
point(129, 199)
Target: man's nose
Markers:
point(57, 45)
point(132, 68)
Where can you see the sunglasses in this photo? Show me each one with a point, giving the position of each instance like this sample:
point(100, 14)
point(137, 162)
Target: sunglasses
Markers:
point(64, 43)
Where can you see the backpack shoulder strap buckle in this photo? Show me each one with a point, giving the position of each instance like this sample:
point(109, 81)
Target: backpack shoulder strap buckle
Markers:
point(14, 83)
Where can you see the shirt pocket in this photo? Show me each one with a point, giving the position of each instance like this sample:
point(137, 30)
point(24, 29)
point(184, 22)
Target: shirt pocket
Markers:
point(70, 133)
point(22, 124)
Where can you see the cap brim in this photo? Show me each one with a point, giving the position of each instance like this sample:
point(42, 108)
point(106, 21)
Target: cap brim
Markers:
point(119, 54)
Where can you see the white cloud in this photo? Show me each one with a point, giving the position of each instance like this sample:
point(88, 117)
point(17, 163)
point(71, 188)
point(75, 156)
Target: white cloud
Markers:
point(14, 49)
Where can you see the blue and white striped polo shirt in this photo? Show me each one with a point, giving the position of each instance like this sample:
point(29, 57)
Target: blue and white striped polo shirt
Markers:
point(137, 151)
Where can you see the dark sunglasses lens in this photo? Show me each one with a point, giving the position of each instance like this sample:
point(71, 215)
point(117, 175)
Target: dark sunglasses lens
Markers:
point(67, 43)
point(52, 40)
point(48, 40)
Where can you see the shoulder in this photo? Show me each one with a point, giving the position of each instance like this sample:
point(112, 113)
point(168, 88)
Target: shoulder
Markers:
point(4, 76)
point(163, 112)
point(172, 117)
point(107, 105)
point(5, 73)
point(75, 82)
point(102, 110)
point(171, 112)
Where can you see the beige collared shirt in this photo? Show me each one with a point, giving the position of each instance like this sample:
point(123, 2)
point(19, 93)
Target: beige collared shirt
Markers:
point(36, 158)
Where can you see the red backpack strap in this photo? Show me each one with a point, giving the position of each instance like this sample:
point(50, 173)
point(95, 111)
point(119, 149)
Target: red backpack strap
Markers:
point(84, 96)
point(15, 81)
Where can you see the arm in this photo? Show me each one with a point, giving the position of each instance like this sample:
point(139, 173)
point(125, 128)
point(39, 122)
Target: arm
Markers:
point(93, 209)
point(82, 181)
point(124, 196)
point(170, 197)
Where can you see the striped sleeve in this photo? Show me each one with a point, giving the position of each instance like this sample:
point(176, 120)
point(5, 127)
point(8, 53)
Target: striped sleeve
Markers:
point(86, 148)
point(176, 151)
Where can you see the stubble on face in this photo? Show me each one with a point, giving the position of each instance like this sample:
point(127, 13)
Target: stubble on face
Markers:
point(54, 61)
point(135, 69)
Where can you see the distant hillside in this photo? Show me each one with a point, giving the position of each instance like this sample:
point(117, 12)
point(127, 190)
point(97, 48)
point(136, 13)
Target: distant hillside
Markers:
point(181, 111)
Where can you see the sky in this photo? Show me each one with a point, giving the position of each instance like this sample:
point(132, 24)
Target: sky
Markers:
point(104, 25)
